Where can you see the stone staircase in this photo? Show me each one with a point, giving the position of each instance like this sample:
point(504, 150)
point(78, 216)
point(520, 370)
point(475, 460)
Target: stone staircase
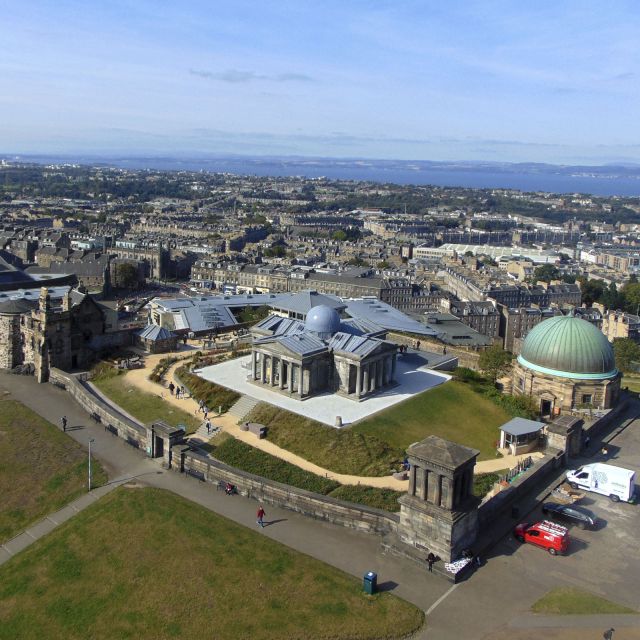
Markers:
point(243, 407)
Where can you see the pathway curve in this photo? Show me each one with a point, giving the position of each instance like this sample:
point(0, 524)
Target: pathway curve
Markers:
point(228, 423)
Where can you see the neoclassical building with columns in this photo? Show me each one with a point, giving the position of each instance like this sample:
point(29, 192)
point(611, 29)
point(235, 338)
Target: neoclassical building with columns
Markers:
point(321, 354)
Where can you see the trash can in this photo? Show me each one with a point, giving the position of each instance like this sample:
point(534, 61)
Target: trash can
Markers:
point(370, 582)
point(515, 512)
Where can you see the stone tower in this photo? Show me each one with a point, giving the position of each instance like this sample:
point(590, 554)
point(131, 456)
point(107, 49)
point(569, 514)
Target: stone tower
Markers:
point(439, 513)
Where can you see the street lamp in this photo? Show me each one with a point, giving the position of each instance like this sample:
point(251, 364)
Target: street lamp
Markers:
point(90, 441)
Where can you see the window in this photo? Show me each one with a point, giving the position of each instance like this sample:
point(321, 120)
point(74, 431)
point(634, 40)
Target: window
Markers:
point(587, 398)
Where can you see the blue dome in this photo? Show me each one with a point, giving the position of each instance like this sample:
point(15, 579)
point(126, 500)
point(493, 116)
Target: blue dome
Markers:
point(322, 320)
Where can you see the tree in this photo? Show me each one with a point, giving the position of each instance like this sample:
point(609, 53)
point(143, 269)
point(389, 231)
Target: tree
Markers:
point(495, 361)
point(546, 273)
point(126, 275)
point(631, 293)
point(626, 352)
point(592, 291)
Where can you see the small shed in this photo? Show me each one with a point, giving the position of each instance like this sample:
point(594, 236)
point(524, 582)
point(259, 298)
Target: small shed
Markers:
point(155, 339)
point(520, 435)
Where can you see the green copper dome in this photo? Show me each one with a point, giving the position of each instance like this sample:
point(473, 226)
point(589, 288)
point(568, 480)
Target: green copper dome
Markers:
point(568, 347)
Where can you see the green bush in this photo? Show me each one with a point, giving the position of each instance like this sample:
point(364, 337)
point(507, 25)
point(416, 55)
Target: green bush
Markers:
point(483, 482)
point(238, 454)
point(214, 395)
point(386, 499)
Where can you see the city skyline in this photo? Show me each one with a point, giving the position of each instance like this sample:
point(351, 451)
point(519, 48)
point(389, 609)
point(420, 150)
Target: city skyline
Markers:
point(472, 81)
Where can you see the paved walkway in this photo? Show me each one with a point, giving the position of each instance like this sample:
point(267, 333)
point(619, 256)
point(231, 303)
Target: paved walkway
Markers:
point(54, 520)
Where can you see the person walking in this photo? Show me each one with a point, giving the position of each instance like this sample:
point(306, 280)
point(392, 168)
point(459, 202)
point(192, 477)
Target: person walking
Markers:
point(208, 425)
point(200, 406)
point(261, 514)
point(183, 392)
point(63, 422)
point(206, 412)
point(430, 560)
point(608, 634)
point(171, 388)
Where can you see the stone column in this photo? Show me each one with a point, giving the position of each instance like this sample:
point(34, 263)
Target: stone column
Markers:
point(412, 480)
point(380, 378)
point(263, 368)
point(254, 367)
point(365, 382)
point(393, 368)
point(290, 367)
point(274, 362)
point(281, 380)
point(301, 380)
point(358, 380)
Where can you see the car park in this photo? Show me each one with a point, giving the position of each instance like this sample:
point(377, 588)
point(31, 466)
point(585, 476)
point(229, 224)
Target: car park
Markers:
point(579, 516)
point(546, 534)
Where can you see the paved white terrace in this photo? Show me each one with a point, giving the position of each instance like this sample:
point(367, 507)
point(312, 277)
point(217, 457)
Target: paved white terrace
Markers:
point(411, 374)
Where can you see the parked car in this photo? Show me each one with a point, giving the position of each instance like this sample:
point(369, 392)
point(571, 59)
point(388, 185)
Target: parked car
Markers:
point(569, 513)
point(546, 534)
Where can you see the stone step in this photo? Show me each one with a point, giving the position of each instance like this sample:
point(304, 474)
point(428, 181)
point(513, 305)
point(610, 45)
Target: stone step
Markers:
point(243, 407)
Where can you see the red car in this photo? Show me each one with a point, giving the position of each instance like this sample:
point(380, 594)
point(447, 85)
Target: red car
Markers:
point(546, 534)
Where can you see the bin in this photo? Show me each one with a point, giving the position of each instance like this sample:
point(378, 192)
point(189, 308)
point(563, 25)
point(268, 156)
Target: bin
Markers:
point(370, 582)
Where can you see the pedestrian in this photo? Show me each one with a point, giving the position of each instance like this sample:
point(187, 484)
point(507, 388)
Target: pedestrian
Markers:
point(63, 421)
point(200, 406)
point(183, 392)
point(171, 388)
point(418, 345)
point(430, 560)
point(206, 412)
point(261, 514)
point(587, 442)
point(608, 634)
point(208, 425)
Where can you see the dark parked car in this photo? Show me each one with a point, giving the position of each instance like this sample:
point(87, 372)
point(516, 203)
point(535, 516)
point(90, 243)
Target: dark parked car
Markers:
point(568, 513)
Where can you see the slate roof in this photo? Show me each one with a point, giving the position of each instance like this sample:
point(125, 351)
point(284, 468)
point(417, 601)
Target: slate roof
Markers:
point(155, 333)
point(521, 426)
point(386, 316)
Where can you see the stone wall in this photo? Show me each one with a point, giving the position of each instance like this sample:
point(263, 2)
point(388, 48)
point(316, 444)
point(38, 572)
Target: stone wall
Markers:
point(492, 508)
point(466, 357)
point(345, 514)
point(134, 433)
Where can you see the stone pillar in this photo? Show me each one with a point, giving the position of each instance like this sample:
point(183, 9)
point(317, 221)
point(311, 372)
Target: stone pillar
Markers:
point(365, 382)
point(281, 380)
point(263, 368)
point(412, 481)
point(301, 381)
point(290, 367)
point(393, 368)
point(358, 380)
point(274, 362)
point(380, 378)
point(254, 367)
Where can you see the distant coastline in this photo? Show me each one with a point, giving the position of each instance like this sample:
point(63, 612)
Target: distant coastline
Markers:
point(623, 181)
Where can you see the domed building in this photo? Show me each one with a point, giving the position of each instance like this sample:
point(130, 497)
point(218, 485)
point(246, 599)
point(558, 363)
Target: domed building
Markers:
point(322, 353)
point(567, 363)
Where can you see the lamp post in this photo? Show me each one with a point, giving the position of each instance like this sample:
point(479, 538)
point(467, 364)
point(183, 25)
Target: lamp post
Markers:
point(90, 441)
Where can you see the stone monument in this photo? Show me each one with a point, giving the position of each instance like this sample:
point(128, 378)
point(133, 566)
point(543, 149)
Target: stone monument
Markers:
point(440, 513)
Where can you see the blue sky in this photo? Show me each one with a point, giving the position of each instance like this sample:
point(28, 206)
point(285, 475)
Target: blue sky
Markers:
point(541, 81)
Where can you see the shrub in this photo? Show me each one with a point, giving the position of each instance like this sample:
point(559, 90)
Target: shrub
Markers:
point(243, 456)
point(483, 482)
point(214, 395)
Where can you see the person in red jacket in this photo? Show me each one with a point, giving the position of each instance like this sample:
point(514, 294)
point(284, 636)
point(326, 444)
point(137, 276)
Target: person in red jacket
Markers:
point(261, 514)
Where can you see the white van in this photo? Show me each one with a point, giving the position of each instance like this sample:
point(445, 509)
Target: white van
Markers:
point(615, 482)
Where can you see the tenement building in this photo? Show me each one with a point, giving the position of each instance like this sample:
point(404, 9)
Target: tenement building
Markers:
point(567, 363)
point(322, 354)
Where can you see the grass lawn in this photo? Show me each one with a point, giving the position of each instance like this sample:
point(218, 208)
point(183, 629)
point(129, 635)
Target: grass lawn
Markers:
point(339, 450)
point(146, 407)
point(631, 381)
point(243, 456)
point(41, 468)
point(146, 564)
point(572, 601)
point(452, 411)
